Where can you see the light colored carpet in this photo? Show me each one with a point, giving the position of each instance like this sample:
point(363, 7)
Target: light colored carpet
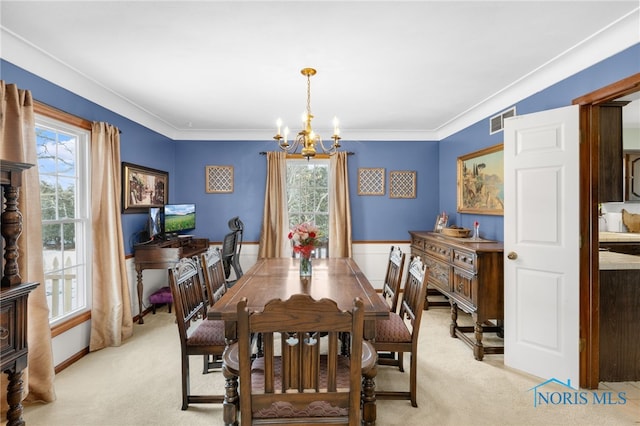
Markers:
point(139, 384)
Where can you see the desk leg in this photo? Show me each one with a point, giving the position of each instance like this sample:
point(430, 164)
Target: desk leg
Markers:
point(369, 413)
point(140, 288)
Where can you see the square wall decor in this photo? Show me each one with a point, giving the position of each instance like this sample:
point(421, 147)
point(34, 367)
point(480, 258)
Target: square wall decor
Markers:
point(370, 181)
point(219, 179)
point(402, 184)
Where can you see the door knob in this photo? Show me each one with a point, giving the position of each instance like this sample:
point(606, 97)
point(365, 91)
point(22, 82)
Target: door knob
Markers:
point(512, 255)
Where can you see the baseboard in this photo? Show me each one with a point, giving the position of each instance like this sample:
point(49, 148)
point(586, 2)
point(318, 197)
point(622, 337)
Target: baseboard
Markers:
point(69, 361)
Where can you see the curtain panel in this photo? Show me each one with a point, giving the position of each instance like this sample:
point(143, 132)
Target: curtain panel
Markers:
point(275, 219)
point(18, 143)
point(339, 207)
point(111, 318)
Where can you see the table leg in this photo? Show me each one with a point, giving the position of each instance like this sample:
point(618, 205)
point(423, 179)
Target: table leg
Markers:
point(140, 288)
point(231, 401)
point(369, 413)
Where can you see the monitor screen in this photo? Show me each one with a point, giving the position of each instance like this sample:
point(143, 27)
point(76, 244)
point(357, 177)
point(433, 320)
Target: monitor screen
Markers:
point(155, 222)
point(179, 217)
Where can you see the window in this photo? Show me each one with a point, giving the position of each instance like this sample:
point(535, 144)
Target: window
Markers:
point(308, 193)
point(63, 164)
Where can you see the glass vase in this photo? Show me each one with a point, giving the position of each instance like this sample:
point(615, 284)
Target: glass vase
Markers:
point(305, 266)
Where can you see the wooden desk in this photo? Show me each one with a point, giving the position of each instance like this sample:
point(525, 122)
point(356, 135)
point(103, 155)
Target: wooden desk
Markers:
point(338, 279)
point(164, 255)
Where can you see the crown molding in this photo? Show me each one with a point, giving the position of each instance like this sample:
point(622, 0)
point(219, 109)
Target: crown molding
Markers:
point(613, 39)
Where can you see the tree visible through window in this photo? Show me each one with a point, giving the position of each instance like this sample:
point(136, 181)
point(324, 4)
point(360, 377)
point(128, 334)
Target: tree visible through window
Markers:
point(308, 193)
point(64, 179)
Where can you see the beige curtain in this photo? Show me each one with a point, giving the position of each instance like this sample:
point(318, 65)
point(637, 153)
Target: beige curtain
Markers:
point(275, 220)
point(111, 319)
point(339, 207)
point(18, 143)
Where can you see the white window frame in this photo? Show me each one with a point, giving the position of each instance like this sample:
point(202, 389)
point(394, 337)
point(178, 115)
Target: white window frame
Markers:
point(83, 235)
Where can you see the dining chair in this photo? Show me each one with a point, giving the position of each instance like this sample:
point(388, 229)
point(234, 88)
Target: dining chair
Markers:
point(215, 285)
point(231, 247)
point(198, 335)
point(301, 379)
point(393, 278)
point(399, 333)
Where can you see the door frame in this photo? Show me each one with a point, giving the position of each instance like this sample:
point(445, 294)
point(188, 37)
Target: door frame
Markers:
point(589, 248)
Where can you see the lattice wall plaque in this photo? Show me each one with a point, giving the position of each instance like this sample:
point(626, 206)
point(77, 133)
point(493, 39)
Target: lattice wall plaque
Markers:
point(402, 184)
point(370, 181)
point(219, 179)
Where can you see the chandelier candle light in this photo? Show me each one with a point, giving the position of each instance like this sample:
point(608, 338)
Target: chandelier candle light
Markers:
point(305, 237)
point(307, 138)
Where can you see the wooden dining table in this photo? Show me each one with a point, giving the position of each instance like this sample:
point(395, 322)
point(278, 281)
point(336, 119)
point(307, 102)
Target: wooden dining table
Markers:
point(338, 279)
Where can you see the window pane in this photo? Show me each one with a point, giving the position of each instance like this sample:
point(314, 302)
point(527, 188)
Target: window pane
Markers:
point(62, 151)
point(66, 191)
point(308, 193)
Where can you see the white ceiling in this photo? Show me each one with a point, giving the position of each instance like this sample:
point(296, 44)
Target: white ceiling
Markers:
point(389, 70)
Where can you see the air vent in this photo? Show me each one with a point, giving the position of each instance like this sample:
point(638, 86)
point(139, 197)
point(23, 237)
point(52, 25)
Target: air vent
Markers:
point(496, 123)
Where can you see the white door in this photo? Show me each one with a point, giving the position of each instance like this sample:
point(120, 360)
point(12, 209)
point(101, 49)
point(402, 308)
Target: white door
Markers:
point(541, 244)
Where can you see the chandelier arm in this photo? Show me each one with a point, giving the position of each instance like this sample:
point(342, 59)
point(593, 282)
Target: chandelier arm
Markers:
point(307, 138)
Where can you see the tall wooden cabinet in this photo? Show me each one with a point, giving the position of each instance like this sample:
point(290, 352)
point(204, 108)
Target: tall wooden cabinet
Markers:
point(13, 293)
point(471, 275)
point(610, 182)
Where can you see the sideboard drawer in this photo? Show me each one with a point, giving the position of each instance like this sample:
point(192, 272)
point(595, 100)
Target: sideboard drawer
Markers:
point(417, 244)
point(7, 328)
point(439, 274)
point(465, 260)
point(441, 251)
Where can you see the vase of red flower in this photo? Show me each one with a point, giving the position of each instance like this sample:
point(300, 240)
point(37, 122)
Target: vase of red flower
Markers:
point(305, 238)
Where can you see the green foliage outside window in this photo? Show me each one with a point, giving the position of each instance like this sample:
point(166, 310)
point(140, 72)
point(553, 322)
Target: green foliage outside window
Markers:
point(308, 193)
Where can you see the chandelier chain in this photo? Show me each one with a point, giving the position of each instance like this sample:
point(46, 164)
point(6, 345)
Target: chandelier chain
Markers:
point(308, 96)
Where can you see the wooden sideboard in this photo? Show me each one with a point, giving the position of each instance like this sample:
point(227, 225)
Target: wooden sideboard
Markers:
point(164, 254)
point(14, 293)
point(470, 274)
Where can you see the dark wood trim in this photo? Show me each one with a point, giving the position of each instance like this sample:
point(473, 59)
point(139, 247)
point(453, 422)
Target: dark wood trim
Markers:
point(58, 329)
point(589, 257)
point(141, 315)
point(613, 91)
point(56, 114)
point(69, 361)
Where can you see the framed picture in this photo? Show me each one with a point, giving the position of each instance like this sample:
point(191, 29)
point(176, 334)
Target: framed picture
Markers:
point(219, 179)
point(441, 222)
point(402, 184)
point(370, 181)
point(142, 188)
point(481, 181)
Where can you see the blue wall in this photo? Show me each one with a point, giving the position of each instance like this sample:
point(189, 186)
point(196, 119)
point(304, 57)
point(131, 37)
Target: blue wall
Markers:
point(375, 218)
point(138, 144)
point(477, 136)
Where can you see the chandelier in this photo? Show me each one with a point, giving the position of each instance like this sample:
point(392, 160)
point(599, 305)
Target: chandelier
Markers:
point(307, 138)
